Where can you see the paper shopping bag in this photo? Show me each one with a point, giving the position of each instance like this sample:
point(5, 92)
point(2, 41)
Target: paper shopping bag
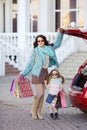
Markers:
point(21, 88)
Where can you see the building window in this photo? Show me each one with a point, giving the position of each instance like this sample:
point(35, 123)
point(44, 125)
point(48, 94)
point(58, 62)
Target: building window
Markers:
point(3, 17)
point(66, 12)
point(14, 15)
point(33, 15)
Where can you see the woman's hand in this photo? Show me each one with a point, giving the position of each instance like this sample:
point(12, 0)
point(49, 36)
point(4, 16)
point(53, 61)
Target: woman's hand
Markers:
point(20, 77)
point(61, 30)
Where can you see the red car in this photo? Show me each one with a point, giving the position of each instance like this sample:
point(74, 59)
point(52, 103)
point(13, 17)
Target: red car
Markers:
point(82, 33)
point(78, 88)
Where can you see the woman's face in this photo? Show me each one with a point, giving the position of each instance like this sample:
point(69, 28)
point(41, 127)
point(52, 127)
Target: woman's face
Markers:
point(40, 41)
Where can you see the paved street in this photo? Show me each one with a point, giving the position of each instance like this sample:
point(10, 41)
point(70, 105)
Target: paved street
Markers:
point(15, 112)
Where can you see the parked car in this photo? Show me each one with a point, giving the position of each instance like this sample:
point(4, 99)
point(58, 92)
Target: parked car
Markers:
point(82, 33)
point(78, 88)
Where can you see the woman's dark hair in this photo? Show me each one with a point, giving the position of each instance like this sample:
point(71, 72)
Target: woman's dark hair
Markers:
point(46, 42)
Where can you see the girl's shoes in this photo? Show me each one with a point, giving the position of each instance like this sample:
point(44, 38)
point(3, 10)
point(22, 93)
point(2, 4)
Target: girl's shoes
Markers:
point(54, 116)
point(51, 115)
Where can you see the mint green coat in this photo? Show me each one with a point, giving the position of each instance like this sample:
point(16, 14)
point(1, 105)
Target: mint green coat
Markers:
point(34, 64)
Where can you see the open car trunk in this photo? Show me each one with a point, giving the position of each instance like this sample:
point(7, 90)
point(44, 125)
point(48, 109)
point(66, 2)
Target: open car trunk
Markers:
point(79, 81)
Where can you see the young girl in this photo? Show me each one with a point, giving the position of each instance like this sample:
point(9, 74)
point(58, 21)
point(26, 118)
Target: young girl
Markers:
point(54, 83)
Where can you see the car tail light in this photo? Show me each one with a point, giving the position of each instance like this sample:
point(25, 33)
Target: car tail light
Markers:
point(85, 95)
point(85, 84)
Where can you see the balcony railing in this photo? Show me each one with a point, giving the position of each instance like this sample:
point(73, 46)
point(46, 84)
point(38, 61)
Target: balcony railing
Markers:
point(13, 54)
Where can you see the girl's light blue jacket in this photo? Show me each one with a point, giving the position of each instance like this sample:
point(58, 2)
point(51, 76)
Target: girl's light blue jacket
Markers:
point(34, 65)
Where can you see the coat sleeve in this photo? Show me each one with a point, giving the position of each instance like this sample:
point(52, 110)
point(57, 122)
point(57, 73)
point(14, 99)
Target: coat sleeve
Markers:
point(29, 65)
point(58, 40)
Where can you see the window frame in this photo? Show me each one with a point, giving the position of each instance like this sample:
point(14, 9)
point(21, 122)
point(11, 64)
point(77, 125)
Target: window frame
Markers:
point(70, 10)
point(14, 13)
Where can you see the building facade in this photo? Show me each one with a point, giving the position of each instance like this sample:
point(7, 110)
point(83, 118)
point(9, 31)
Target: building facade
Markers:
point(41, 15)
point(22, 20)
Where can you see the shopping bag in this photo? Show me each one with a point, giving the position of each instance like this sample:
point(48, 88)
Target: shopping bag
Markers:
point(21, 88)
point(62, 97)
point(12, 87)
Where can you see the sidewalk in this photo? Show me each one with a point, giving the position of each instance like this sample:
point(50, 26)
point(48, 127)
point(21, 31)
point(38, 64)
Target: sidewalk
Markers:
point(15, 112)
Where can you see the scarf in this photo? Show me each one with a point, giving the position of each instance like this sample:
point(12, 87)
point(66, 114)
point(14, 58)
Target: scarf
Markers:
point(56, 80)
point(45, 50)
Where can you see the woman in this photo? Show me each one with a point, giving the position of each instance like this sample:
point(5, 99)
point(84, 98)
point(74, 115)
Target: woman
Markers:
point(43, 56)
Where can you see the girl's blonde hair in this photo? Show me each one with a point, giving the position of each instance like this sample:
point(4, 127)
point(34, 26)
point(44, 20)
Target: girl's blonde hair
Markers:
point(58, 76)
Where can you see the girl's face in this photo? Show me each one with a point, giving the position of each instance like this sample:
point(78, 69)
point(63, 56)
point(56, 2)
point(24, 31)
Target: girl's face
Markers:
point(40, 41)
point(55, 74)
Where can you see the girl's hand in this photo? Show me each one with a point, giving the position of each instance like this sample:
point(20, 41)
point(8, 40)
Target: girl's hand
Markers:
point(64, 93)
point(45, 82)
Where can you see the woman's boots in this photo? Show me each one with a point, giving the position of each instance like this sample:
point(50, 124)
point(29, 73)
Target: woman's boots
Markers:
point(40, 108)
point(36, 108)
